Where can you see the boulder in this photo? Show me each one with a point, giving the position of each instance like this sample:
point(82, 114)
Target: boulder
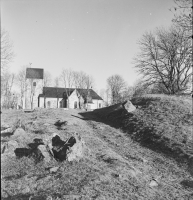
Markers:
point(19, 132)
point(22, 137)
point(129, 106)
point(45, 152)
point(77, 150)
point(59, 149)
point(57, 143)
point(71, 149)
point(47, 140)
point(109, 111)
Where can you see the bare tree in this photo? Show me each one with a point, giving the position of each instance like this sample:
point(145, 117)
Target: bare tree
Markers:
point(107, 97)
point(22, 83)
point(116, 85)
point(57, 82)
point(183, 15)
point(6, 89)
point(67, 77)
point(165, 59)
point(80, 79)
point(89, 81)
point(139, 88)
point(127, 93)
point(102, 94)
point(47, 79)
point(7, 53)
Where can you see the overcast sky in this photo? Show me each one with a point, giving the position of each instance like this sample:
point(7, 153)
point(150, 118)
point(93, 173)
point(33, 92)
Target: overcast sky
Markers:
point(98, 37)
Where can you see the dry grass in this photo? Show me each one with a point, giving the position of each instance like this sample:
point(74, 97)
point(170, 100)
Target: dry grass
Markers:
point(114, 165)
point(162, 123)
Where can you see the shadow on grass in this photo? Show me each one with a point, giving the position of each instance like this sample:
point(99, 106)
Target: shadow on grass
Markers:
point(8, 134)
point(187, 183)
point(141, 133)
point(18, 197)
point(59, 124)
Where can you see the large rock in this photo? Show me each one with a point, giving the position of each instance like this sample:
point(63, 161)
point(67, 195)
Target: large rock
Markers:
point(45, 152)
point(107, 112)
point(48, 140)
point(57, 142)
point(129, 106)
point(60, 148)
point(22, 137)
point(19, 132)
point(76, 151)
point(71, 149)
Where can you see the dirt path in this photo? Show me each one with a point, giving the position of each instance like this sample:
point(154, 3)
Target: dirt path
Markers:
point(114, 167)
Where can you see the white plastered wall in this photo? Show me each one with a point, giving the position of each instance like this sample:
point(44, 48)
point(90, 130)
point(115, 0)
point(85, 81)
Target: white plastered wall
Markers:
point(50, 102)
point(72, 99)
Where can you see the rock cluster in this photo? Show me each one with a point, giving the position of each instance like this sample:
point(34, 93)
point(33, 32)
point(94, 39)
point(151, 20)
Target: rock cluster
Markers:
point(48, 148)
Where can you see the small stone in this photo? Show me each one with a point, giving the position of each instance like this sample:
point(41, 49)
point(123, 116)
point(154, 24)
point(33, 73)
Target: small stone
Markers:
point(54, 169)
point(46, 124)
point(153, 183)
point(115, 175)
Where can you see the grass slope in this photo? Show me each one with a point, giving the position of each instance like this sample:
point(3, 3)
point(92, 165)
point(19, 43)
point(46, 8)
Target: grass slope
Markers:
point(162, 123)
point(114, 165)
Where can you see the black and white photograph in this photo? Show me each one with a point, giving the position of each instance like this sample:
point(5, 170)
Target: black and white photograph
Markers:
point(96, 100)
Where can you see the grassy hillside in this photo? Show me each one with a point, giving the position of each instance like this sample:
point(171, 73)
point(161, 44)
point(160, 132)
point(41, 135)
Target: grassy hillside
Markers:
point(126, 155)
point(162, 123)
